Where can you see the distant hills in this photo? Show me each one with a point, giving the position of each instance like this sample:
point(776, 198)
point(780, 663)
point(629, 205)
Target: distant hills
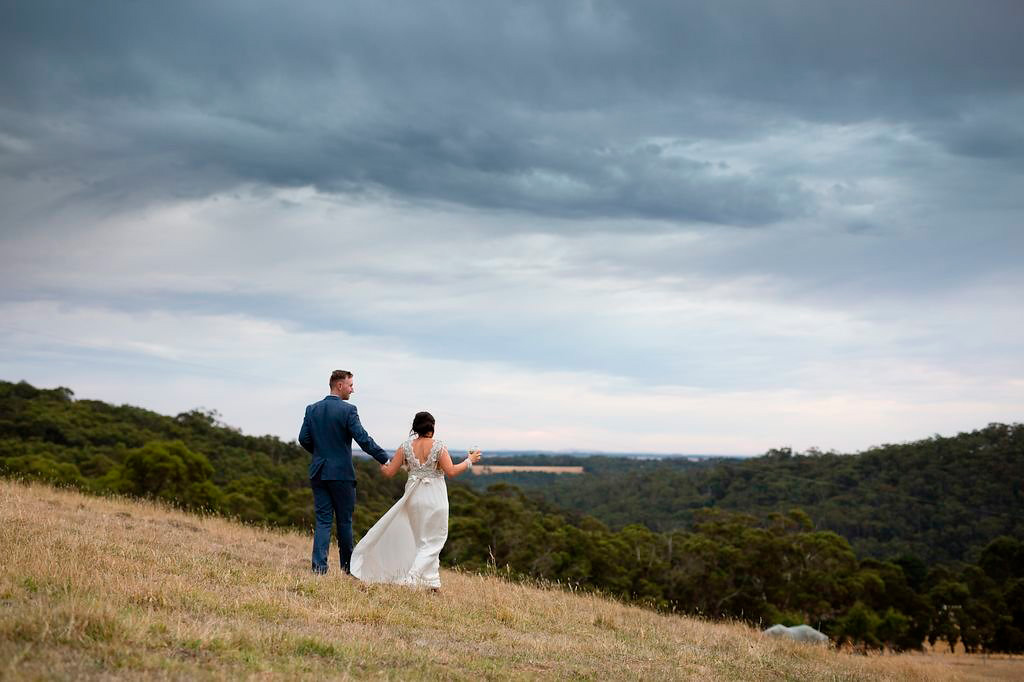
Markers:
point(940, 498)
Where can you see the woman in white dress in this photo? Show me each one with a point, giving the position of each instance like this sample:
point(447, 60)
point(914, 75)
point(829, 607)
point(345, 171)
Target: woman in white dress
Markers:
point(404, 545)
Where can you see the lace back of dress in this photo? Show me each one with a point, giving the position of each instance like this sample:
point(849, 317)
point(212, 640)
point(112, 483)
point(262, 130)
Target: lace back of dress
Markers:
point(429, 465)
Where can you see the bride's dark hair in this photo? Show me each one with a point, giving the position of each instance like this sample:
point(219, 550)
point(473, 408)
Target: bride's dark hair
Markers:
point(422, 424)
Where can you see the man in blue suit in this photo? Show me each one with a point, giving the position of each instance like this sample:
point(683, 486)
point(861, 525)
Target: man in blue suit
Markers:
point(327, 431)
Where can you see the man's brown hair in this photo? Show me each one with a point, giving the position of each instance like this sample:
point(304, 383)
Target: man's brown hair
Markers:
point(338, 375)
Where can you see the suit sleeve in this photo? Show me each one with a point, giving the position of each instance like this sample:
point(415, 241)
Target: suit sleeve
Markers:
point(306, 433)
point(360, 436)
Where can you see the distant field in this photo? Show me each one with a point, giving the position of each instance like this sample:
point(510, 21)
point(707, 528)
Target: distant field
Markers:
point(490, 469)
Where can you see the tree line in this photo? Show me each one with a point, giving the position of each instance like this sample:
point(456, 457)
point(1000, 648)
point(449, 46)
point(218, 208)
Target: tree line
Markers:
point(941, 498)
point(772, 566)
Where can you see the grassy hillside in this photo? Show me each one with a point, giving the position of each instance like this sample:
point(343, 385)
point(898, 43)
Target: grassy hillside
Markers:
point(93, 587)
point(769, 568)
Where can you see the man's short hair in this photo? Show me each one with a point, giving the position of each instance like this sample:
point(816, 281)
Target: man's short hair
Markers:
point(338, 375)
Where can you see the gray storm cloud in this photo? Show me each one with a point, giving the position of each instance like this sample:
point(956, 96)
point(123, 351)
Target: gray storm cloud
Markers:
point(802, 215)
point(568, 109)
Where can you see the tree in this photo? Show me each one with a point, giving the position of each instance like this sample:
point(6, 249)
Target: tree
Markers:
point(892, 629)
point(43, 468)
point(859, 626)
point(168, 470)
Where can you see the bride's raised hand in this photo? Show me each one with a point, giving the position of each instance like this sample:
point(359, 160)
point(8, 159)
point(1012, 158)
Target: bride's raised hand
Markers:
point(474, 456)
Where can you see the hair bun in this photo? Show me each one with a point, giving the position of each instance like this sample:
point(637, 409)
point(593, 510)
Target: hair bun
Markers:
point(423, 424)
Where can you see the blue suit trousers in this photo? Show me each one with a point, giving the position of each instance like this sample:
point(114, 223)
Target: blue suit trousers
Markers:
point(332, 499)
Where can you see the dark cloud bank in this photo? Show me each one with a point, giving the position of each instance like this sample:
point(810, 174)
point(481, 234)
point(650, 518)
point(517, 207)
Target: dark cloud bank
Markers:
point(571, 109)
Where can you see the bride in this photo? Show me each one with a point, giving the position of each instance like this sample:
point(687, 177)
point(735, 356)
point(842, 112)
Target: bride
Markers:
point(403, 546)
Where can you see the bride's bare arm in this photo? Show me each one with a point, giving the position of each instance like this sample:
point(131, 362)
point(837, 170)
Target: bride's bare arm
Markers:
point(395, 463)
point(444, 460)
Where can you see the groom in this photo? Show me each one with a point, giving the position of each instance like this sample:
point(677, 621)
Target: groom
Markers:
point(327, 431)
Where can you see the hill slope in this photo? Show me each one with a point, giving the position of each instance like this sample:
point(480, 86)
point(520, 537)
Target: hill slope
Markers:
point(939, 499)
point(761, 569)
point(94, 587)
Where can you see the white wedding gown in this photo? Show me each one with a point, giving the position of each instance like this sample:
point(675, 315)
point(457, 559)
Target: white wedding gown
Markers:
point(404, 545)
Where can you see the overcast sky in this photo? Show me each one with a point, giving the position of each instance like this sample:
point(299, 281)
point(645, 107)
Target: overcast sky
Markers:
point(690, 227)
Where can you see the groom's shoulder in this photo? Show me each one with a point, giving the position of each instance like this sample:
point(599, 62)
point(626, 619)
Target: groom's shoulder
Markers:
point(332, 404)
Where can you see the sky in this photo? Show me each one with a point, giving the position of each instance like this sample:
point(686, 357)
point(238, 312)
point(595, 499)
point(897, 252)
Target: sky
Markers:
point(668, 227)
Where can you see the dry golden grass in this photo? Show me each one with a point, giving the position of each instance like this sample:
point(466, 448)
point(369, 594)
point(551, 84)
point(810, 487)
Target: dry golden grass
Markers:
point(99, 588)
point(978, 666)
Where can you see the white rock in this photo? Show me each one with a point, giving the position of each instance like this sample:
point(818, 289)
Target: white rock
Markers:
point(799, 633)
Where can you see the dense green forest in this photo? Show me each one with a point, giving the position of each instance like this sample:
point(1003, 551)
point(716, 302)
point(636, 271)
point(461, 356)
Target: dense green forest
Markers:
point(772, 566)
point(597, 467)
point(940, 499)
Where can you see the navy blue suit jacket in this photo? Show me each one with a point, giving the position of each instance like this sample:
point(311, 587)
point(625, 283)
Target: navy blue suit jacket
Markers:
point(327, 431)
